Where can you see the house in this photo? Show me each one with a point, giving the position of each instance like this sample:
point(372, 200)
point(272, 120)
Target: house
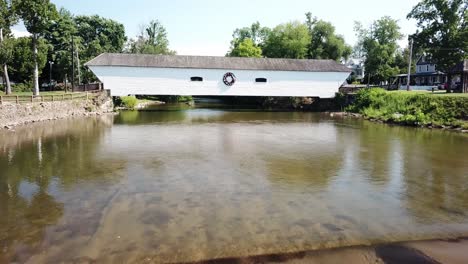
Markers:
point(357, 69)
point(427, 77)
point(140, 74)
point(460, 77)
point(427, 74)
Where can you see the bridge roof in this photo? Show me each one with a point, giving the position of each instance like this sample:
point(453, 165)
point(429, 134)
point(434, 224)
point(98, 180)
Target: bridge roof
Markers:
point(209, 62)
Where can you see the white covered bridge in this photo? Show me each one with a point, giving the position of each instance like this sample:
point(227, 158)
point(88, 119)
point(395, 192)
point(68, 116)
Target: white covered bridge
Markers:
point(138, 74)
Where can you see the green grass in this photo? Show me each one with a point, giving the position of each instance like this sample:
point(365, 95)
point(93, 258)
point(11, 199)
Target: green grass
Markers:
point(413, 108)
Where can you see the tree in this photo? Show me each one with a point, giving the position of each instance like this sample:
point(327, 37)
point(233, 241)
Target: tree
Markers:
point(379, 45)
point(288, 40)
point(23, 66)
point(246, 48)
point(152, 40)
point(59, 36)
point(256, 33)
point(443, 30)
point(325, 44)
point(7, 19)
point(37, 16)
point(96, 35)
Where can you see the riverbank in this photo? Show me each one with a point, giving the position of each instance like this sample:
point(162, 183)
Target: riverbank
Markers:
point(446, 111)
point(12, 114)
point(422, 252)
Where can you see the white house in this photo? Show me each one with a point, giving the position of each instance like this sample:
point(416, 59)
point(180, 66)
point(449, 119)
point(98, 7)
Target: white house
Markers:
point(427, 74)
point(427, 77)
point(357, 68)
point(139, 74)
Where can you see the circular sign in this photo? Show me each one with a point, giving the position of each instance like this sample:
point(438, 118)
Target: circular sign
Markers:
point(229, 79)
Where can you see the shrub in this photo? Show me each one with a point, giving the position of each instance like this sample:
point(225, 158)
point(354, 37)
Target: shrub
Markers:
point(411, 108)
point(22, 87)
point(129, 102)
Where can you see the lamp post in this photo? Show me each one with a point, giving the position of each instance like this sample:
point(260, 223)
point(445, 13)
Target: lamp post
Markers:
point(51, 63)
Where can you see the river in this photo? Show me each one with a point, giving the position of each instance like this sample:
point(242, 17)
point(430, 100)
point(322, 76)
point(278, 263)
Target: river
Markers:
point(178, 184)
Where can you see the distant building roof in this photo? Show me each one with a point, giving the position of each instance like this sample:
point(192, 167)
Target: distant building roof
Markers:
point(423, 61)
point(207, 62)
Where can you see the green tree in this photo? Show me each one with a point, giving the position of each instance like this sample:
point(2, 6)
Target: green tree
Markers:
point(59, 36)
point(255, 33)
point(37, 16)
point(96, 35)
point(7, 19)
point(443, 30)
point(402, 58)
point(23, 65)
point(379, 45)
point(325, 43)
point(152, 40)
point(288, 40)
point(246, 48)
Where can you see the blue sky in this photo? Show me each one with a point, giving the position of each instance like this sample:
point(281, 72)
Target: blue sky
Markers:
point(205, 27)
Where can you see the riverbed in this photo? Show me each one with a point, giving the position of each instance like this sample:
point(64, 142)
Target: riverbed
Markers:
point(178, 184)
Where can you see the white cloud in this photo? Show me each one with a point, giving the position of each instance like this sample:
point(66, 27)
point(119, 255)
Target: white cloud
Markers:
point(20, 33)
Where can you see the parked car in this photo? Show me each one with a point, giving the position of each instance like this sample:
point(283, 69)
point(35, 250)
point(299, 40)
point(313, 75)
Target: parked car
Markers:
point(45, 85)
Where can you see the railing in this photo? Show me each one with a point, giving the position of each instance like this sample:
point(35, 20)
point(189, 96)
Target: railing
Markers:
point(23, 99)
point(88, 87)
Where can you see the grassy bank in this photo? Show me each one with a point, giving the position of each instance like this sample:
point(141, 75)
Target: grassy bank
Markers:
point(413, 108)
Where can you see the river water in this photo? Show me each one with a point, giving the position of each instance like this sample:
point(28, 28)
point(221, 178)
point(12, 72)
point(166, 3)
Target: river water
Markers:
point(187, 184)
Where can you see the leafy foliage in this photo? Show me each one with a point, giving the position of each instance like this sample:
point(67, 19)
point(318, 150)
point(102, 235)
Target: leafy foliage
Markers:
point(59, 36)
point(246, 48)
point(379, 46)
point(37, 16)
point(256, 33)
point(315, 39)
point(6, 51)
point(152, 40)
point(411, 108)
point(129, 102)
point(96, 35)
point(22, 66)
point(288, 40)
point(7, 19)
point(443, 30)
point(325, 43)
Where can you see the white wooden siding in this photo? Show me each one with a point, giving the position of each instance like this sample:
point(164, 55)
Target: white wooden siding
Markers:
point(165, 81)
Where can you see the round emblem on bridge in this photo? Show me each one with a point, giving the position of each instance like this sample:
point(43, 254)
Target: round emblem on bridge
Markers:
point(229, 79)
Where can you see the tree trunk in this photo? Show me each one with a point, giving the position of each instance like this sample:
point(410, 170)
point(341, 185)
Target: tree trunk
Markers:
point(5, 69)
point(36, 69)
point(449, 82)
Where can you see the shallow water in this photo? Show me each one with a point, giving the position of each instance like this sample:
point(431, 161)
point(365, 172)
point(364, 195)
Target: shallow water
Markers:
point(175, 185)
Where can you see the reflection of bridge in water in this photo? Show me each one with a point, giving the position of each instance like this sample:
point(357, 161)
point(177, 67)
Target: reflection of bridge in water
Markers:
point(139, 74)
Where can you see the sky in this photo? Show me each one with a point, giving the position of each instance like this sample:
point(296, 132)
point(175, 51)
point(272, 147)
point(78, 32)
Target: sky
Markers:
point(204, 27)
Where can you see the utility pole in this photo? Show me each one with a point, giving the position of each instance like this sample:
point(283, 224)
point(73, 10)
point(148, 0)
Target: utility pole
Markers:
point(408, 83)
point(79, 65)
point(73, 63)
point(51, 64)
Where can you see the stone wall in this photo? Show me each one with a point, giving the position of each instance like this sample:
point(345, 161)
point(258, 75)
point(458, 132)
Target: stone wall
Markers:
point(19, 114)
